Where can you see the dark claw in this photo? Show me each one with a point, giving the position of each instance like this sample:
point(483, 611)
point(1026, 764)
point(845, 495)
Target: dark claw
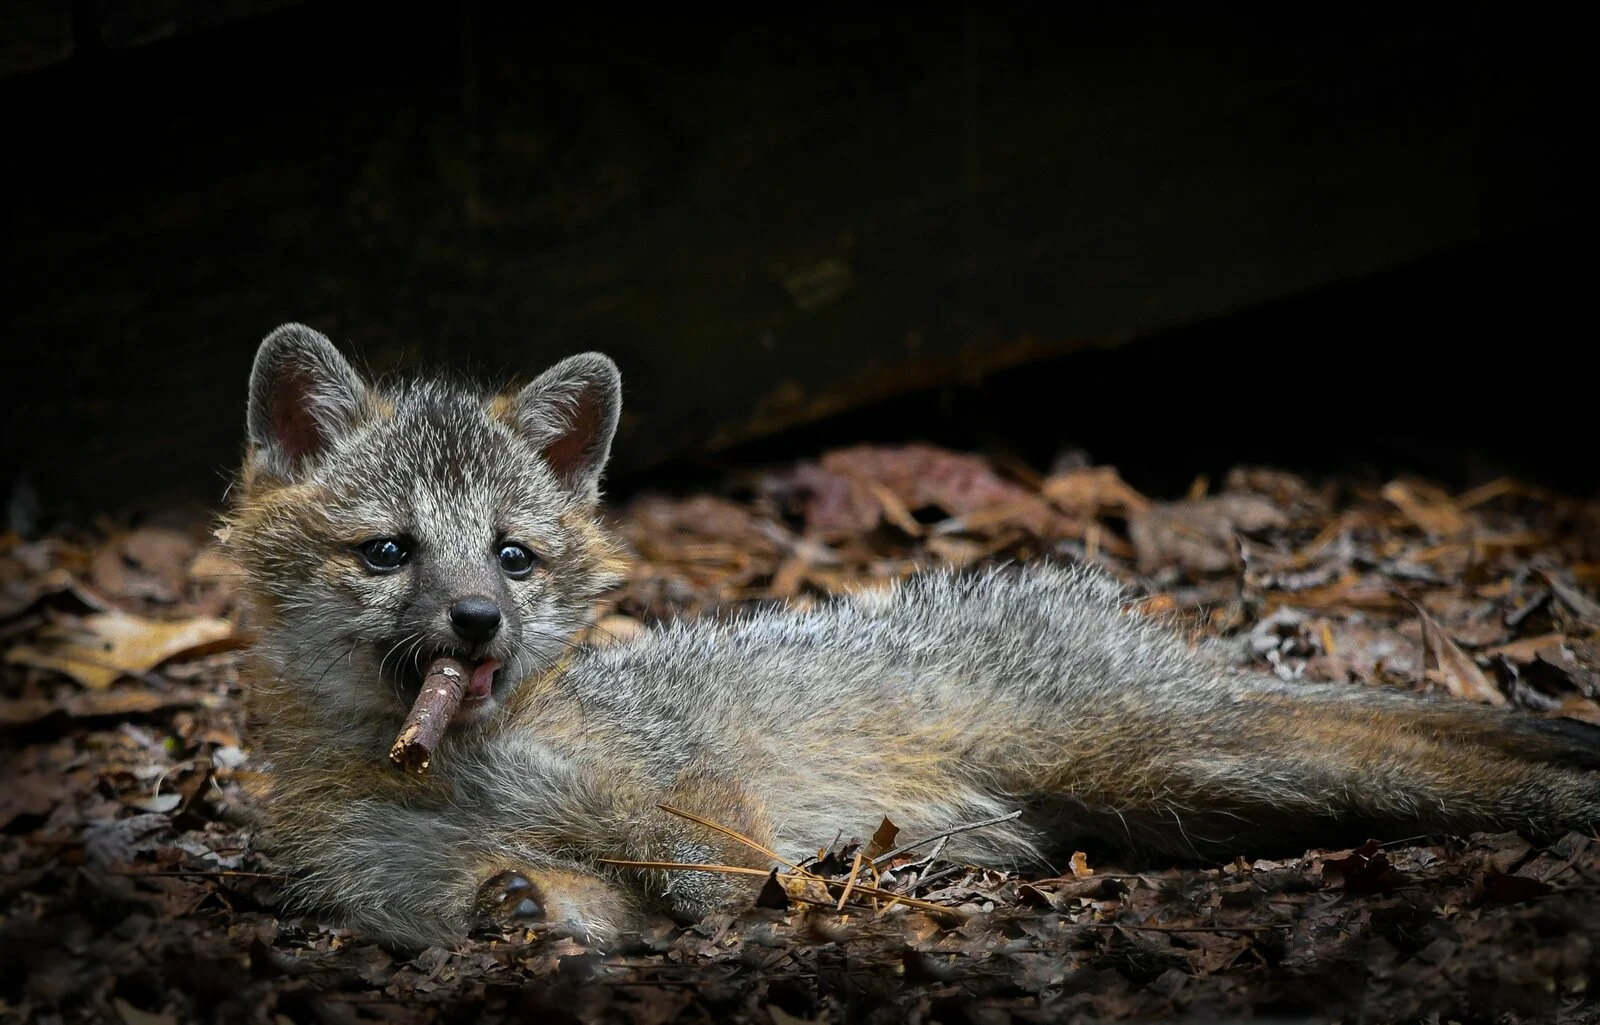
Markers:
point(527, 908)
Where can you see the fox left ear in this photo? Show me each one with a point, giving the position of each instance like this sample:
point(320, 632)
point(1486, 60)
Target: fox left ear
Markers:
point(304, 397)
point(570, 414)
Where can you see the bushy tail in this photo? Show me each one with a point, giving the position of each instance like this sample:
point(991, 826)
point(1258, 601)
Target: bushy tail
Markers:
point(1271, 769)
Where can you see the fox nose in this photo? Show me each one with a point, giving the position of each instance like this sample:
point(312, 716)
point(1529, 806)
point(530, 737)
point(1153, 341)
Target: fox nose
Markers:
point(475, 619)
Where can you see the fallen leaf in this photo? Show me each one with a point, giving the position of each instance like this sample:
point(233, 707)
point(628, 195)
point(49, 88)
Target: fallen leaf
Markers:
point(1527, 649)
point(147, 562)
point(33, 793)
point(102, 647)
point(1093, 491)
point(1429, 508)
point(1574, 707)
point(1457, 672)
point(214, 581)
point(882, 839)
point(1499, 888)
point(19, 711)
point(1080, 865)
point(109, 841)
point(131, 1015)
point(1584, 607)
point(846, 492)
point(1199, 536)
point(1366, 870)
point(56, 588)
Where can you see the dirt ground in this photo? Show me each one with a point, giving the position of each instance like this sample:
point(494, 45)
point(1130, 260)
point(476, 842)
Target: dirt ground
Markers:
point(130, 890)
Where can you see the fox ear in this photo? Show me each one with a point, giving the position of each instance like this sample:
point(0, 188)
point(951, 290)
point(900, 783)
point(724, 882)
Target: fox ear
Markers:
point(570, 414)
point(303, 397)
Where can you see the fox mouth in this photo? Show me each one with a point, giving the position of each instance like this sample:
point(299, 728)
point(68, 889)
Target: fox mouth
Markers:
point(484, 684)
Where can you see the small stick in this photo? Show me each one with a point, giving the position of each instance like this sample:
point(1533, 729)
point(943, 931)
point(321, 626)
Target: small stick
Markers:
point(442, 690)
point(884, 859)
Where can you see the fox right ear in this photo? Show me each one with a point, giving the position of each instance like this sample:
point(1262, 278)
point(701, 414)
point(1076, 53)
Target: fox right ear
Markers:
point(304, 396)
point(570, 415)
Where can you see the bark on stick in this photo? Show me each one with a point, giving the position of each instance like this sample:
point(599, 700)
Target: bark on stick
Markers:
point(443, 687)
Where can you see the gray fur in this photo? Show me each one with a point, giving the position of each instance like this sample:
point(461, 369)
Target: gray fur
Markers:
point(944, 699)
point(570, 414)
point(304, 396)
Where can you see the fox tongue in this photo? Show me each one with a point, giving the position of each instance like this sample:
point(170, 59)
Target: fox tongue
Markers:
point(482, 680)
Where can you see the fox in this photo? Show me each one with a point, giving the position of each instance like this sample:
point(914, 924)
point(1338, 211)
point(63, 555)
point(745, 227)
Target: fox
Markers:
point(380, 525)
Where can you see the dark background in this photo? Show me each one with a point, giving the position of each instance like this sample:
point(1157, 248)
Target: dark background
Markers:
point(1177, 238)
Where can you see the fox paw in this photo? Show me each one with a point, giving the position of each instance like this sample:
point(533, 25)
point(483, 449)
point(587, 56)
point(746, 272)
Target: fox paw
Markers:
point(510, 898)
point(556, 902)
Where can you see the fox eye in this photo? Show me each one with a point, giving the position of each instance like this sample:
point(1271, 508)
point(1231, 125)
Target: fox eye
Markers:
point(516, 560)
point(384, 554)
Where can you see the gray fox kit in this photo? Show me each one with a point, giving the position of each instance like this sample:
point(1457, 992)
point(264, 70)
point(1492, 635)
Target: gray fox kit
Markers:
point(380, 527)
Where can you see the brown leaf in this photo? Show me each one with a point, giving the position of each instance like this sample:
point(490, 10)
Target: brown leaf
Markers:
point(56, 588)
point(1459, 674)
point(1584, 607)
point(131, 1015)
point(1499, 888)
point(102, 647)
point(1080, 865)
point(1574, 707)
point(1527, 649)
point(1429, 508)
point(1366, 870)
point(1199, 536)
point(148, 562)
point(850, 491)
point(882, 839)
point(1093, 491)
point(115, 702)
point(34, 793)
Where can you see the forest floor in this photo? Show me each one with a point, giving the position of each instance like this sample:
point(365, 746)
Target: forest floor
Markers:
point(130, 890)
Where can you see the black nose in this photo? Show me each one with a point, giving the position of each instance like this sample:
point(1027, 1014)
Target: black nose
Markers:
point(475, 619)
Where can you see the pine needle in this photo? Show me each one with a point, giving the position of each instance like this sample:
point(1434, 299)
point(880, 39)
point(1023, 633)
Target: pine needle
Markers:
point(678, 866)
point(732, 834)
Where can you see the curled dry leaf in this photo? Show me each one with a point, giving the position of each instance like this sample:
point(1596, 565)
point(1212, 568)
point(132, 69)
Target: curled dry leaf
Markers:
point(148, 562)
point(1459, 674)
point(852, 490)
point(1093, 491)
point(1435, 512)
point(92, 704)
point(55, 587)
point(1585, 608)
point(882, 839)
point(1527, 649)
point(99, 648)
point(131, 1015)
point(1199, 535)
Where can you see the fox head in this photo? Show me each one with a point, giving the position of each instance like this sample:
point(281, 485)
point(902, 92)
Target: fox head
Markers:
point(381, 526)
